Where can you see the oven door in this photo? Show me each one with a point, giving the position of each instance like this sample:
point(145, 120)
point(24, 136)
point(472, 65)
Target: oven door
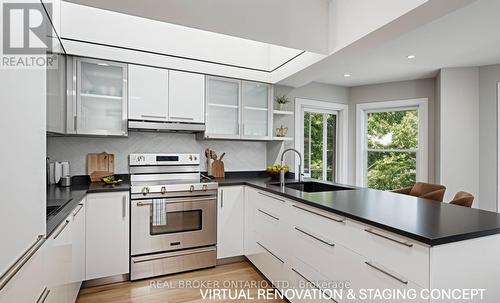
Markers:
point(183, 222)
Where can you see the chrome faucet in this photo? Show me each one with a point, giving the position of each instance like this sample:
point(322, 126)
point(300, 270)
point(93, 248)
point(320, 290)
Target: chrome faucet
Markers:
point(282, 173)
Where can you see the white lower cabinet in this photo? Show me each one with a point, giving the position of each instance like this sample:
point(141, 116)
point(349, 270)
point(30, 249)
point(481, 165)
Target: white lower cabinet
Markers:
point(58, 262)
point(322, 253)
point(107, 235)
point(230, 220)
point(29, 284)
point(77, 274)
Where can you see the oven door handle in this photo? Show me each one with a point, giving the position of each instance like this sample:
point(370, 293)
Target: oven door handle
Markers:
point(142, 203)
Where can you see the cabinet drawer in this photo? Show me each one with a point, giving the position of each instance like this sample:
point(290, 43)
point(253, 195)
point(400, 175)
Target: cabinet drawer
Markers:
point(320, 223)
point(269, 202)
point(268, 262)
point(309, 281)
point(399, 254)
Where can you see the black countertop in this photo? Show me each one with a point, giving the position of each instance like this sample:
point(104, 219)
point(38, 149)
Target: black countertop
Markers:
point(426, 221)
point(71, 196)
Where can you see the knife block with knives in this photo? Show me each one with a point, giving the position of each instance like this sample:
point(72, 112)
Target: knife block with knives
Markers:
point(215, 166)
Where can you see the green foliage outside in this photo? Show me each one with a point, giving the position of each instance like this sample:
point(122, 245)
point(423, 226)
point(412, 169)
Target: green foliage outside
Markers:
point(313, 123)
point(395, 131)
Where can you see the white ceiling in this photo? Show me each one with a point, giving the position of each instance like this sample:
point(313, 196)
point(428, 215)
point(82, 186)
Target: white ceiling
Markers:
point(468, 36)
point(298, 24)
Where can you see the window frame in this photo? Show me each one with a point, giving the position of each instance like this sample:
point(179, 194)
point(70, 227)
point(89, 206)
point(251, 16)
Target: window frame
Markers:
point(362, 111)
point(341, 111)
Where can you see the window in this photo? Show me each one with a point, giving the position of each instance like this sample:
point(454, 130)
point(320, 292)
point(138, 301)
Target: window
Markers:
point(392, 140)
point(320, 135)
point(320, 132)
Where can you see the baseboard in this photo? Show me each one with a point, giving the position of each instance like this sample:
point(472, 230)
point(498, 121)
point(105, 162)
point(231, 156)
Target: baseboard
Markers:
point(230, 260)
point(104, 281)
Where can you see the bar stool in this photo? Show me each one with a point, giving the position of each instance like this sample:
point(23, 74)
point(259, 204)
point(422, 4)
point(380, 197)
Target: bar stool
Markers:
point(463, 198)
point(424, 190)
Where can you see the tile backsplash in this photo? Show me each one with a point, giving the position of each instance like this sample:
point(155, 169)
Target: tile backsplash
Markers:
point(240, 155)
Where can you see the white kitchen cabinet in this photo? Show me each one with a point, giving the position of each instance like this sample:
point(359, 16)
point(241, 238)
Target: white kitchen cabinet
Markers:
point(186, 97)
point(107, 234)
point(230, 222)
point(56, 97)
point(59, 255)
point(148, 93)
point(101, 97)
point(256, 110)
point(223, 108)
point(29, 284)
point(77, 274)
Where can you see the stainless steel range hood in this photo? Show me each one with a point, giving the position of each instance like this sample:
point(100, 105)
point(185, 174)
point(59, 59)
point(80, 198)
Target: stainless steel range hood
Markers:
point(166, 126)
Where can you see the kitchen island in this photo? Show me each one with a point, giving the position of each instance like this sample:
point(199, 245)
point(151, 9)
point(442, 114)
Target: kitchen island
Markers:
point(373, 239)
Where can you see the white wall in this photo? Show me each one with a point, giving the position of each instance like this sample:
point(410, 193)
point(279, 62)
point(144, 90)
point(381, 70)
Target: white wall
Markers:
point(424, 88)
point(459, 131)
point(489, 77)
point(240, 155)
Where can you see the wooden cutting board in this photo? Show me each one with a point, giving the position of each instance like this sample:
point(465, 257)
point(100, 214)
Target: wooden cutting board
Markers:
point(218, 169)
point(100, 165)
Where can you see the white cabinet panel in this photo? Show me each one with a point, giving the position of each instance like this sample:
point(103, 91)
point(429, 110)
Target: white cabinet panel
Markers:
point(256, 100)
point(230, 221)
point(56, 97)
point(107, 234)
point(59, 262)
point(223, 108)
point(23, 136)
point(29, 284)
point(186, 101)
point(148, 93)
point(78, 250)
point(101, 97)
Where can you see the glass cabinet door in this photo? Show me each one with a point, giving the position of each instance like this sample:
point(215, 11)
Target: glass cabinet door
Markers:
point(223, 108)
point(101, 98)
point(256, 110)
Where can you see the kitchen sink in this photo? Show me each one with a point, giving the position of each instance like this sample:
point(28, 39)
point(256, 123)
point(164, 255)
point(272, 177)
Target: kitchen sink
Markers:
point(313, 187)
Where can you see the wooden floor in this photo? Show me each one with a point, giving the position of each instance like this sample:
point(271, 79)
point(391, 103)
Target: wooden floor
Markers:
point(143, 292)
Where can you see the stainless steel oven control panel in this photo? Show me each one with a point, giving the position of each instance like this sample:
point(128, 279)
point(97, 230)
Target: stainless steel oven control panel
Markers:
point(164, 159)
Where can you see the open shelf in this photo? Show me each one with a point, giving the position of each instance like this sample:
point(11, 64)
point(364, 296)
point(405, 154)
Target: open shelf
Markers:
point(282, 138)
point(282, 112)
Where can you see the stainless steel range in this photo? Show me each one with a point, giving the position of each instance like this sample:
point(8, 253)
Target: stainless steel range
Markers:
point(173, 215)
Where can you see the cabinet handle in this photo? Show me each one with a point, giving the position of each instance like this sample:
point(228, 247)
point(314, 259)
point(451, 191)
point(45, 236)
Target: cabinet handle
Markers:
point(321, 215)
point(386, 272)
point(74, 123)
point(61, 229)
point(154, 116)
point(268, 214)
point(124, 206)
point(309, 281)
point(221, 198)
point(269, 196)
point(43, 296)
point(181, 118)
point(278, 258)
point(14, 269)
point(405, 243)
point(76, 212)
point(315, 237)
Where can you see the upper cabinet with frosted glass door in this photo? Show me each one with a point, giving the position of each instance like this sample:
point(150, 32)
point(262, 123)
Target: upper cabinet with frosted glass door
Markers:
point(101, 97)
point(237, 109)
point(223, 115)
point(256, 110)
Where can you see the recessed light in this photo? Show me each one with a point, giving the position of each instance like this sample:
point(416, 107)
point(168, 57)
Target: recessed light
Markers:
point(411, 56)
point(347, 75)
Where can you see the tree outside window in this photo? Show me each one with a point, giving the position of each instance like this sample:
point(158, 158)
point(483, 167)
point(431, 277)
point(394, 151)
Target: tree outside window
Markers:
point(392, 146)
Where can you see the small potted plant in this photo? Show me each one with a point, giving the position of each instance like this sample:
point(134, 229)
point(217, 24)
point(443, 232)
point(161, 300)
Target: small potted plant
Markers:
point(282, 102)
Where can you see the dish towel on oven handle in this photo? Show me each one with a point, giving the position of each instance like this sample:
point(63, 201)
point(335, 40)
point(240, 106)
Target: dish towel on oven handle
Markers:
point(159, 212)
